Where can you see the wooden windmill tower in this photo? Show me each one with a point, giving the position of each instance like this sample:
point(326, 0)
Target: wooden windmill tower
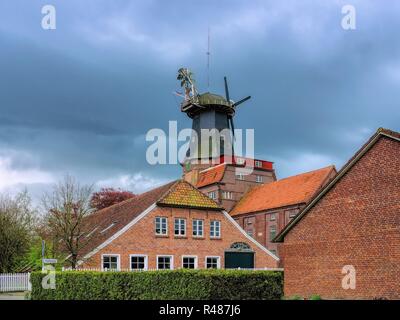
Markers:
point(213, 113)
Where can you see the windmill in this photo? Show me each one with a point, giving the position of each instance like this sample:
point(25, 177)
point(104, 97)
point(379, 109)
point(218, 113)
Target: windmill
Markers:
point(208, 111)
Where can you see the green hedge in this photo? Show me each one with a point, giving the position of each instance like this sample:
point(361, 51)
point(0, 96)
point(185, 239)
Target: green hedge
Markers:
point(160, 285)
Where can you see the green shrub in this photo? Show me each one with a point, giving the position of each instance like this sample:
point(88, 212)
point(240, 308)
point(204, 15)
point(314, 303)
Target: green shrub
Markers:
point(315, 297)
point(161, 285)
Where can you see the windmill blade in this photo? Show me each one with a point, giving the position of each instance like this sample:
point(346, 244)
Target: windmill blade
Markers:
point(241, 101)
point(232, 127)
point(226, 90)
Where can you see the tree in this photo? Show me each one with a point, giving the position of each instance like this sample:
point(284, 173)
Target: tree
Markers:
point(67, 208)
point(108, 196)
point(17, 221)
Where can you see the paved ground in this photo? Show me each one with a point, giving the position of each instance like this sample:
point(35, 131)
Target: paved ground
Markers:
point(12, 296)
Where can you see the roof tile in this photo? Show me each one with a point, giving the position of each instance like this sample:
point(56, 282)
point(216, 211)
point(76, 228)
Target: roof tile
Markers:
point(292, 190)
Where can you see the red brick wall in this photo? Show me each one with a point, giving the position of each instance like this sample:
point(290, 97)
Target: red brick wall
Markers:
point(141, 239)
point(356, 223)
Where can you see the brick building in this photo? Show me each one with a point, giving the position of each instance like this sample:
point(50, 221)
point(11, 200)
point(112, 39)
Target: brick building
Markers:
point(352, 225)
point(170, 227)
point(227, 182)
point(266, 209)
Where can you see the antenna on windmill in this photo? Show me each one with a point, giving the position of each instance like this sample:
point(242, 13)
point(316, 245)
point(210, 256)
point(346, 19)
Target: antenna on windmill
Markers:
point(208, 59)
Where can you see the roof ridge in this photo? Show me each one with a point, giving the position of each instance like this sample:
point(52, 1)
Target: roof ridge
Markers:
point(304, 173)
point(136, 197)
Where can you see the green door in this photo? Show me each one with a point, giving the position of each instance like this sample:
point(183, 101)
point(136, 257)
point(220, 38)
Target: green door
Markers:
point(234, 260)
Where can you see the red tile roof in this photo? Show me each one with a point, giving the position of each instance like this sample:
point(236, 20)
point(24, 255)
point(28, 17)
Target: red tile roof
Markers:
point(289, 191)
point(211, 175)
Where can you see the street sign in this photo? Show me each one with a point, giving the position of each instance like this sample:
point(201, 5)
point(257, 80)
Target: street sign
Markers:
point(49, 260)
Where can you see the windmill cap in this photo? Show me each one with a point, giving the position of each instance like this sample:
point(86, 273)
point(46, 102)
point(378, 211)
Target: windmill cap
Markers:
point(212, 99)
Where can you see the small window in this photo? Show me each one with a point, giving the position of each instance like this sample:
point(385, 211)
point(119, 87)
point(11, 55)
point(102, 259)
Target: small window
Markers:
point(212, 263)
point(272, 232)
point(240, 161)
point(212, 195)
point(164, 262)
point(215, 229)
point(189, 262)
point(239, 176)
point(272, 217)
point(198, 228)
point(258, 163)
point(180, 227)
point(111, 262)
point(259, 179)
point(228, 195)
point(138, 262)
point(161, 226)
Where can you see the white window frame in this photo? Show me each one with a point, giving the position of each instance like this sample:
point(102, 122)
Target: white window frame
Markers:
point(196, 266)
point(212, 195)
point(146, 263)
point(218, 262)
point(166, 226)
point(171, 261)
point(239, 176)
point(258, 163)
point(197, 229)
point(111, 255)
point(272, 215)
point(227, 195)
point(259, 179)
point(240, 161)
point(220, 232)
point(184, 227)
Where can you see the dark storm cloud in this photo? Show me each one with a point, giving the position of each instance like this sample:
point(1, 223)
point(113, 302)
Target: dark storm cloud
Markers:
point(81, 98)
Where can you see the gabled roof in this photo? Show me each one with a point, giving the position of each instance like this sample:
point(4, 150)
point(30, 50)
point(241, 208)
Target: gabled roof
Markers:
point(104, 224)
point(293, 190)
point(211, 175)
point(363, 150)
point(183, 195)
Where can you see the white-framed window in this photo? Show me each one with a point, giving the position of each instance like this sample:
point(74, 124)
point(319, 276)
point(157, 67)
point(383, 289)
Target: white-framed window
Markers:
point(138, 262)
point(213, 262)
point(180, 227)
point(259, 179)
point(110, 262)
point(212, 195)
point(272, 217)
point(239, 176)
point(228, 195)
point(189, 262)
point(240, 161)
point(161, 225)
point(198, 228)
point(215, 229)
point(165, 262)
point(258, 163)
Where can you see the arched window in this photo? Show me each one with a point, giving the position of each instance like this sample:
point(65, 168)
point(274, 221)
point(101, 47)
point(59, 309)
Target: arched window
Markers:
point(240, 246)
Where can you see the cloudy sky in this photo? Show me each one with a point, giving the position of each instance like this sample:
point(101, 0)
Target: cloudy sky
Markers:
point(80, 99)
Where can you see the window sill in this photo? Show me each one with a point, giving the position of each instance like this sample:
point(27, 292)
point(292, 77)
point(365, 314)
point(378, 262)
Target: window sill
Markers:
point(180, 237)
point(161, 236)
point(215, 238)
point(198, 237)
